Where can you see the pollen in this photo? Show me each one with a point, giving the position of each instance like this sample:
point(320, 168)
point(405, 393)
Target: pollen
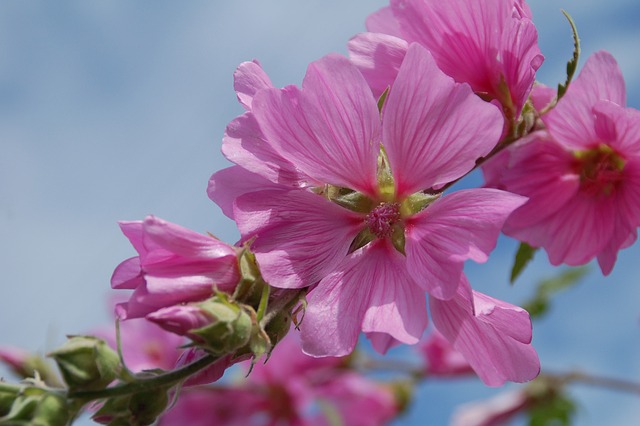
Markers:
point(381, 219)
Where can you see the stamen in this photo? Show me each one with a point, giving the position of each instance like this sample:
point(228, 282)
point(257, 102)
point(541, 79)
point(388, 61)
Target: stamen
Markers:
point(381, 219)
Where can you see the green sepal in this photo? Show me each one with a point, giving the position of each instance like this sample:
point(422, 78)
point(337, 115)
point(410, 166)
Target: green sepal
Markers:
point(523, 257)
point(383, 98)
point(417, 202)
point(230, 327)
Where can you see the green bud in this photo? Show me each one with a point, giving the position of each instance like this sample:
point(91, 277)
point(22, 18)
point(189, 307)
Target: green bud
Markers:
point(139, 409)
point(230, 328)
point(87, 363)
point(34, 407)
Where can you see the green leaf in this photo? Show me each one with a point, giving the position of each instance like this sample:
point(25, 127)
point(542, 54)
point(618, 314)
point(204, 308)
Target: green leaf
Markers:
point(539, 303)
point(523, 257)
point(558, 410)
point(573, 63)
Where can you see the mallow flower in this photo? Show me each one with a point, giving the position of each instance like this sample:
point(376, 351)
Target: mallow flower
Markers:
point(291, 388)
point(491, 45)
point(348, 203)
point(174, 265)
point(581, 173)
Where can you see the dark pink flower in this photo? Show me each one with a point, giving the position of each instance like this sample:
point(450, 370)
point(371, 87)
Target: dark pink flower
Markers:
point(490, 44)
point(290, 388)
point(347, 210)
point(581, 174)
point(174, 265)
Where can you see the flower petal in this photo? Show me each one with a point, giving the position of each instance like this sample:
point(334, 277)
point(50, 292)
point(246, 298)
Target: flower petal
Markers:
point(571, 122)
point(383, 21)
point(244, 144)
point(494, 336)
point(228, 184)
point(300, 236)
point(434, 129)
point(396, 302)
point(378, 57)
point(248, 79)
point(460, 226)
point(330, 129)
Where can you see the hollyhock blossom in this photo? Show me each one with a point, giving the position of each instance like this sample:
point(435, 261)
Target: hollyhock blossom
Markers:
point(441, 358)
point(492, 412)
point(491, 44)
point(581, 174)
point(493, 336)
point(174, 265)
point(291, 388)
point(357, 222)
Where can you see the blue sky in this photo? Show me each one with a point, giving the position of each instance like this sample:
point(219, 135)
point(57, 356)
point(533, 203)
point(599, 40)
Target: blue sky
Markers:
point(112, 110)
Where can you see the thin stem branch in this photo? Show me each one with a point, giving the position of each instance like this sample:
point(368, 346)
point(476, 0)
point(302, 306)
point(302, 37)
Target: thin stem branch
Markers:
point(169, 378)
point(598, 381)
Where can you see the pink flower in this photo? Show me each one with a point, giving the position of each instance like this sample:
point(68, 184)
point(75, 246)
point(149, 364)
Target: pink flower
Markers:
point(441, 358)
point(174, 265)
point(493, 336)
point(490, 44)
point(291, 388)
point(493, 412)
point(356, 221)
point(581, 174)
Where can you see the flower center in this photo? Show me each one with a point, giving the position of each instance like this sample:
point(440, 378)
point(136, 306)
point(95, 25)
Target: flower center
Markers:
point(600, 170)
point(381, 219)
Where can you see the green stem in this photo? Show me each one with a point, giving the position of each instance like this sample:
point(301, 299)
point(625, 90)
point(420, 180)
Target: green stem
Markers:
point(169, 378)
point(262, 307)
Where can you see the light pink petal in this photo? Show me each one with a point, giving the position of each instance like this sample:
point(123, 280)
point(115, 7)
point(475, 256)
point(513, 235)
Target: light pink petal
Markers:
point(495, 411)
point(248, 79)
point(493, 336)
point(572, 121)
point(128, 274)
point(495, 168)
point(383, 21)
point(397, 306)
point(166, 292)
point(619, 127)
point(244, 144)
point(541, 170)
point(434, 130)
point(460, 226)
point(336, 308)
point(184, 242)
point(521, 58)
point(330, 130)
point(228, 184)
point(378, 57)
point(133, 231)
point(180, 319)
point(300, 236)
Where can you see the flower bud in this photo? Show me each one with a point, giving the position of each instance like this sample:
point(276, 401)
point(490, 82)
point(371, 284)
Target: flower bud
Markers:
point(230, 329)
point(34, 407)
point(87, 363)
point(25, 364)
point(139, 409)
